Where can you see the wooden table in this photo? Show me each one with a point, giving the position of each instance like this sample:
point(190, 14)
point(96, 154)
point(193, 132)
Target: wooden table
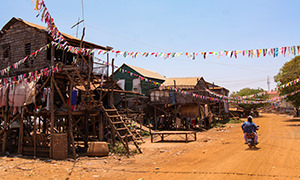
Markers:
point(168, 133)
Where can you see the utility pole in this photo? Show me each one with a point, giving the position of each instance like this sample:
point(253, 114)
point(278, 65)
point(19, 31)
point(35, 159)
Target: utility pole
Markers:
point(268, 82)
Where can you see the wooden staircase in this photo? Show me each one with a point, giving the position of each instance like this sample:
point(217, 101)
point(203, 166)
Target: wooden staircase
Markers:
point(132, 128)
point(116, 121)
point(121, 129)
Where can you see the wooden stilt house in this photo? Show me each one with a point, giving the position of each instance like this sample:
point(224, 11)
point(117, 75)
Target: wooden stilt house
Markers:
point(52, 116)
point(180, 103)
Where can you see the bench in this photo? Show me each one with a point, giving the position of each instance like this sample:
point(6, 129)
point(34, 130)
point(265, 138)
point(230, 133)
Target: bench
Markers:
point(163, 134)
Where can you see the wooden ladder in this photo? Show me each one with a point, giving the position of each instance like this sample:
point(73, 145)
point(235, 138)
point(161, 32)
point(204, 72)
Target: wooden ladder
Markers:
point(133, 129)
point(121, 129)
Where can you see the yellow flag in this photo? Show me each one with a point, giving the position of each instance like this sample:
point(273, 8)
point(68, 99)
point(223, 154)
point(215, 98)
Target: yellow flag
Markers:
point(37, 5)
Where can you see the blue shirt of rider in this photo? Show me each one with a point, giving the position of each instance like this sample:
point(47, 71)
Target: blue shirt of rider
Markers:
point(249, 127)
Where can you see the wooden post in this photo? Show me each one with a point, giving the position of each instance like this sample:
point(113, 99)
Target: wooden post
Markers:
point(81, 42)
point(5, 121)
point(70, 119)
point(112, 87)
point(107, 66)
point(126, 141)
point(94, 126)
point(34, 130)
point(126, 105)
point(21, 133)
point(155, 123)
point(34, 135)
point(86, 130)
point(52, 104)
point(107, 69)
point(113, 136)
point(101, 137)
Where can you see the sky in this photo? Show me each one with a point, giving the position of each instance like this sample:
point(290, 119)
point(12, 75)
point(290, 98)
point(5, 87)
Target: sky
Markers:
point(181, 26)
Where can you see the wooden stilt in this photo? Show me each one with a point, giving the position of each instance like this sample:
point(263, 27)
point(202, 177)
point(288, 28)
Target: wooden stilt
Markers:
point(112, 87)
point(34, 135)
point(155, 123)
point(94, 126)
point(101, 135)
point(52, 105)
point(113, 136)
point(70, 120)
point(21, 133)
point(86, 130)
point(5, 122)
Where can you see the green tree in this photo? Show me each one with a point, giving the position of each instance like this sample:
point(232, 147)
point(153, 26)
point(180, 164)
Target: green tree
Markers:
point(289, 72)
point(247, 92)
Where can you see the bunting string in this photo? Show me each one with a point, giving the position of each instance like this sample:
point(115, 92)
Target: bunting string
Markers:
point(30, 76)
point(84, 51)
point(266, 101)
point(254, 53)
point(231, 98)
point(220, 97)
point(17, 64)
point(49, 21)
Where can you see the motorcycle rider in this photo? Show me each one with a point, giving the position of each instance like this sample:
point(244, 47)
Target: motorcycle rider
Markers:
point(249, 127)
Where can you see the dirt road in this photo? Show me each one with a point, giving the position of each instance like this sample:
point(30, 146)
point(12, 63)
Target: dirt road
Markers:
point(219, 153)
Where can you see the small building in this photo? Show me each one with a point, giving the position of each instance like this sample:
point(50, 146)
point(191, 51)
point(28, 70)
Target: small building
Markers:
point(182, 101)
point(218, 89)
point(219, 109)
point(281, 105)
point(129, 79)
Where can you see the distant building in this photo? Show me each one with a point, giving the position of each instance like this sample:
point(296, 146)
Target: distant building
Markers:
point(218, 89)
point(182, 100)
point(281, 105)
point(130, 80)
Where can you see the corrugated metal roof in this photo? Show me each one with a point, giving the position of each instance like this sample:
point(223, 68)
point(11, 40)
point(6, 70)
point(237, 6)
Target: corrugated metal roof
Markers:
point(32, 25)
point(147, 73)
point(273, 92)
point(67, 36)
point(182, 82)
point(218, 87)
point(44, 28)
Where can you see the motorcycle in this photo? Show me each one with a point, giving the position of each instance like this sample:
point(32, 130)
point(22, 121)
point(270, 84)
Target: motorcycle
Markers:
point(251, 139)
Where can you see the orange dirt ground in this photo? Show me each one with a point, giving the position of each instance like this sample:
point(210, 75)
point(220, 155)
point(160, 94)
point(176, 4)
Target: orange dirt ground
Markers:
point(219, 153)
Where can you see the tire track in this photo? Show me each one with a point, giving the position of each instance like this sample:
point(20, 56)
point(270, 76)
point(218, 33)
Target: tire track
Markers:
point(205, 173)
